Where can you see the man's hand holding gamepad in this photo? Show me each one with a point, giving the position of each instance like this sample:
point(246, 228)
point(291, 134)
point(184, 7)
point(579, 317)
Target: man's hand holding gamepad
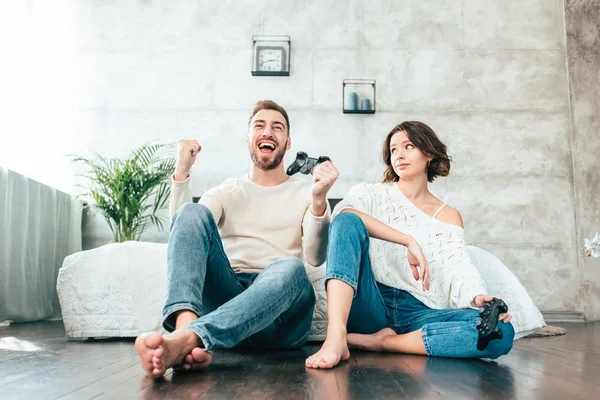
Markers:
point(324, 176)
point(482, 299)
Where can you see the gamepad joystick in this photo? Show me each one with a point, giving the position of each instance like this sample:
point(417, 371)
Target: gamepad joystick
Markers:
point(305, 164)
point(488, 326)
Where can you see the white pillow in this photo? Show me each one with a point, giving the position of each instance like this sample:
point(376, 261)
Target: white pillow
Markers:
point(503, 283)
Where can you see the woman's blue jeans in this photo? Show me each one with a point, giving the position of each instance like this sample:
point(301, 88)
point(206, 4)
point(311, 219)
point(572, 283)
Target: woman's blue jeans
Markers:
point(445, 333)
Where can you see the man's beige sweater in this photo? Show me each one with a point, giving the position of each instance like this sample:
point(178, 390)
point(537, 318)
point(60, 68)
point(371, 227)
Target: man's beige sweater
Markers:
point(259, 224)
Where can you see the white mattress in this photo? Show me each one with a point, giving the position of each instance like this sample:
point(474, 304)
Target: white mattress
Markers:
point(118, 290)
point(115, 290)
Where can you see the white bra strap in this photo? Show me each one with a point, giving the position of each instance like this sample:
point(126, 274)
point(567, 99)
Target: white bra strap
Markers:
point(439, 209)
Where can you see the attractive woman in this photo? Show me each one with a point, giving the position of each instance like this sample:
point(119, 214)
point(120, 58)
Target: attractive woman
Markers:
point(374, 263)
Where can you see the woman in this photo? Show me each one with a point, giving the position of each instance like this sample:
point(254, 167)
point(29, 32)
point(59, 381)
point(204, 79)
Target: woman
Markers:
point(386, 237)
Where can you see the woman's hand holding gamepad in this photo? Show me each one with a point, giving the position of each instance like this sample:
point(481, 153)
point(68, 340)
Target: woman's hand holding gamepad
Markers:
point(482, 299)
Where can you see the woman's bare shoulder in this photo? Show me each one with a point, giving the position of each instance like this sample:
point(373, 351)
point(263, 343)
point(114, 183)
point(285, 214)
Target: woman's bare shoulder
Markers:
point(450, 215)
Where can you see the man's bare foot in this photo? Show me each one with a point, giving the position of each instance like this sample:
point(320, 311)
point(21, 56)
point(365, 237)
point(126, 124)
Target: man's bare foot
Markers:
point(197, 359)
point(369, 342)
point(202, 358)
point(159, 353)
point(332, 352)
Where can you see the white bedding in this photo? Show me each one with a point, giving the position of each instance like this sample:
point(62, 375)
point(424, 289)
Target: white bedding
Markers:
point(118, 290)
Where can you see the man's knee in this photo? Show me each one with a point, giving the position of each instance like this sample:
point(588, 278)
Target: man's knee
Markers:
point(196, 214)
point(194, 211)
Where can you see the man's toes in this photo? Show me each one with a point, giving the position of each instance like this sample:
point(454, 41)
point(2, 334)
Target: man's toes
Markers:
point(150, 349)
point(201, 358)
point(158, 372)
point(142, 348)
point(200, 355)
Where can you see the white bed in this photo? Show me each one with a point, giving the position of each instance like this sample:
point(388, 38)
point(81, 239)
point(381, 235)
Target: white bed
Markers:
point(118, 290)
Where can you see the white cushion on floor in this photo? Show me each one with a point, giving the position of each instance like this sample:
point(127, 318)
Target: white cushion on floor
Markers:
point(118, 290)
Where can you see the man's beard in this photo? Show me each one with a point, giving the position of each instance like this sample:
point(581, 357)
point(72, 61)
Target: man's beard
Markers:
point(272, 164)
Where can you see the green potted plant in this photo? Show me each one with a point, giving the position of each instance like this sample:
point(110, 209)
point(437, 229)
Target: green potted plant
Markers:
point(130, 193)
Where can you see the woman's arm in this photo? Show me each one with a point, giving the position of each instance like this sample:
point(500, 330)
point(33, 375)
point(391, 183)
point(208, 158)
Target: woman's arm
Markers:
point(452, 216)
point(379, 230)
point(467, 288)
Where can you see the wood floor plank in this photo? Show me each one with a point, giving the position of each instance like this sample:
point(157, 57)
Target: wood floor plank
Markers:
point(562, 367)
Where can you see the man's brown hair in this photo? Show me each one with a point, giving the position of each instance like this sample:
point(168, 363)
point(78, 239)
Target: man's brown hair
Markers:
point(270, 105)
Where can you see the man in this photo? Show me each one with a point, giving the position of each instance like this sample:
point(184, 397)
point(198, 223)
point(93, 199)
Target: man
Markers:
point(236, 260)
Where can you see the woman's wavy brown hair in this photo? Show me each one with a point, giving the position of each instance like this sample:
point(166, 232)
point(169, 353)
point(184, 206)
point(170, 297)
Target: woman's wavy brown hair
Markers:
point(425, 139)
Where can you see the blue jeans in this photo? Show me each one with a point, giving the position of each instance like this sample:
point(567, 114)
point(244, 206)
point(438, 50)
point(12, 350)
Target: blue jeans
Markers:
point(445, 333)
point(271, 309)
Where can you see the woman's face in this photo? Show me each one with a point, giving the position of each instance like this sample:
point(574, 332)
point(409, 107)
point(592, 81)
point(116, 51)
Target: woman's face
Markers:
point(407, 160)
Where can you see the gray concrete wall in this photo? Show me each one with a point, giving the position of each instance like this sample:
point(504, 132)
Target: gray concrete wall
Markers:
point(489, 76)
point(583, 56)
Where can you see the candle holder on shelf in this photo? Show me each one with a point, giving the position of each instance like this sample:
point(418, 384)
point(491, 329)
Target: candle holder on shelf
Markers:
point(358, 96)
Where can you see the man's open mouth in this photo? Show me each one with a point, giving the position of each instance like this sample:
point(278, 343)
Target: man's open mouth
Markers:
point(266, 147)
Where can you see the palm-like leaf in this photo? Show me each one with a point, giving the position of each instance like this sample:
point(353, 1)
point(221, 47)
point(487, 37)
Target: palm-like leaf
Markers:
point(131, 193)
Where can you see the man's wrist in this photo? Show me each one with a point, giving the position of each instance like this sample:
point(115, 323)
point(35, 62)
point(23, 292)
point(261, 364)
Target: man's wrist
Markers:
point(181, 176)
point(318, 206)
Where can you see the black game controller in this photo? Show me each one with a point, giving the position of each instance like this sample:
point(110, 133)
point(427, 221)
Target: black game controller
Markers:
point(305, 164)
point(488, 326)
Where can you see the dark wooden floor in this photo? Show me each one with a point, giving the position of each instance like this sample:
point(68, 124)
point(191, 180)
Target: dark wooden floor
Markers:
point(564, 367)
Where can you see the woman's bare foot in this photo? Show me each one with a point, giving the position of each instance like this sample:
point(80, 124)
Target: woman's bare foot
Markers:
point(159, 353)
point(369, 342)
point(196, 360)
point(334, 350)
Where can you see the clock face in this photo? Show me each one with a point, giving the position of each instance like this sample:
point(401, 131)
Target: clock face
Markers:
point(270, 59)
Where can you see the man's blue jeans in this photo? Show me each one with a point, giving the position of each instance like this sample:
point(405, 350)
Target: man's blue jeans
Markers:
point(271, 309)
point(445, 333)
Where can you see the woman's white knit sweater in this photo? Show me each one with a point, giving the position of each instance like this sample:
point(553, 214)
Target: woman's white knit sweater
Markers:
point(454, 279)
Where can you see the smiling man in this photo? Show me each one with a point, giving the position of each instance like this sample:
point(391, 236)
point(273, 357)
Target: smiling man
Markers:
point(236, 260)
